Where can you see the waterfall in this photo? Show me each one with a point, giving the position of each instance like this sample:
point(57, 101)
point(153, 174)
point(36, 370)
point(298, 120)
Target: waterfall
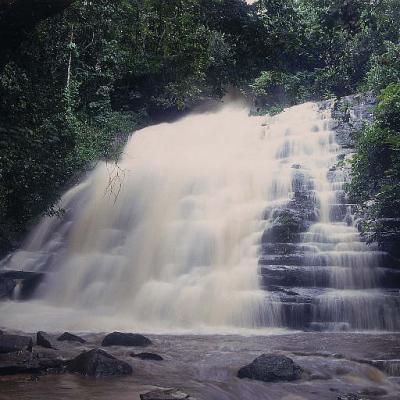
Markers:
point(170, 237)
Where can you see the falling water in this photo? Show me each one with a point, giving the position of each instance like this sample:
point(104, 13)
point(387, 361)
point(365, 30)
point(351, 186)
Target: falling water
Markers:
point(169, 238)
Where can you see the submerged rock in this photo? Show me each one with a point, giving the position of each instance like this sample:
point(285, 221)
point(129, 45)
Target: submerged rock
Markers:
point(13, 343)
point(271, 368)
point(147, 356)
point(44, 340)
point(98, 364)
point(126, 339)
point(69, 337)
point(166, 394)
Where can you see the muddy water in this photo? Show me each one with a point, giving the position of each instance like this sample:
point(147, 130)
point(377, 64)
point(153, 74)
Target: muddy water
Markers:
point(206, 366)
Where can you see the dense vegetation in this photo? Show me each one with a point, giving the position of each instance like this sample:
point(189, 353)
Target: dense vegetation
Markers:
point(81, 80)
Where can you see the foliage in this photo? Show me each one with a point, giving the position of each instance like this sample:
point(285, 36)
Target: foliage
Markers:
point(81, 80)
point(337, 45)
point(376, 169)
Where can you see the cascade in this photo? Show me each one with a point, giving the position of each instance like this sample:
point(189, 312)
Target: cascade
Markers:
point(216, 222)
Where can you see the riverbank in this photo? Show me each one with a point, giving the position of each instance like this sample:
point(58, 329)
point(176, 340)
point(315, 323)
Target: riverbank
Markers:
point(205, 367)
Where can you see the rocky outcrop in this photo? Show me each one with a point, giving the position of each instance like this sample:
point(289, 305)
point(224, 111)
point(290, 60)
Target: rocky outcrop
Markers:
point(26, 281)
point(125, 339)
point(97, 363)
point(15, 343)
point(27, 362)
point(69, 337)
point(271, 368)
point(44, 340)
point(349, 115)
point(21, 362)
point(166, 394)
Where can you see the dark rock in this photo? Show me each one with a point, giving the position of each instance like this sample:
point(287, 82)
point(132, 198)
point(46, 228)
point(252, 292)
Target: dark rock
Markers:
point(97, 363)
point(27, 281)
point(7, 287)
point(44, 340)
point(351, 396)
point(69, 337)
point(13, 343)
point(373, 391)
point(21, 362)
point(165, 394)
point(271, 368)
point(52, 364)
point(125, 339)
point(147, 356)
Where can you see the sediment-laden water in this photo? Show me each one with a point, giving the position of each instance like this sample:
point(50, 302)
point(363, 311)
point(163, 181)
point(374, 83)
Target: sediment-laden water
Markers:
point(170, 238)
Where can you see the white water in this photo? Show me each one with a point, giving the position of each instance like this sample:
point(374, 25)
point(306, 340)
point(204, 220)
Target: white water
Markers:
point(169, 240)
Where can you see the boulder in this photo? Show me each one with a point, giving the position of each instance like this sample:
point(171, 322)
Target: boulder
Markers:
point(21, 362)
point(98, 364)
point(147, 356)
point(166, 394)
point(44, 340)
point(125, 339)
point(69, 337)
point(13, 343)
point(271, 368)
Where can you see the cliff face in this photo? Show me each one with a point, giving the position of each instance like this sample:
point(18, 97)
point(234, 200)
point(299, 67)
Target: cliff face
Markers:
point(18, 17)
point(349, 115)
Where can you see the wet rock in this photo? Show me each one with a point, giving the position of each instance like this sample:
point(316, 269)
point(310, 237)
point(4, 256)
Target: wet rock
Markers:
point(126, 339)
point(390, 367)
point(69, 337)
point(271, 368)
point(349, 115)
point(21, 362)
point(147, 356)
point(98, 364)
point(351, 396)
point(13, 343)
point(373, 391)
point(44, 340)
point(7, 287)
point(27, 281)
point(52, 365)
point(165, 394)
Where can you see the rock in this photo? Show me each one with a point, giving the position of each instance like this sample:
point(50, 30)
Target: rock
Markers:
point(69, 337)
point(27, 281)
point(7, 287)
point(21, 362)
point(125, 339)
point(13, 343)
point(147, 356)
point(52, 365)
point(351, 396)
point(271, 368)
point(373, 391)
point(44, 340)
point(165, 394)
point(98, 364)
